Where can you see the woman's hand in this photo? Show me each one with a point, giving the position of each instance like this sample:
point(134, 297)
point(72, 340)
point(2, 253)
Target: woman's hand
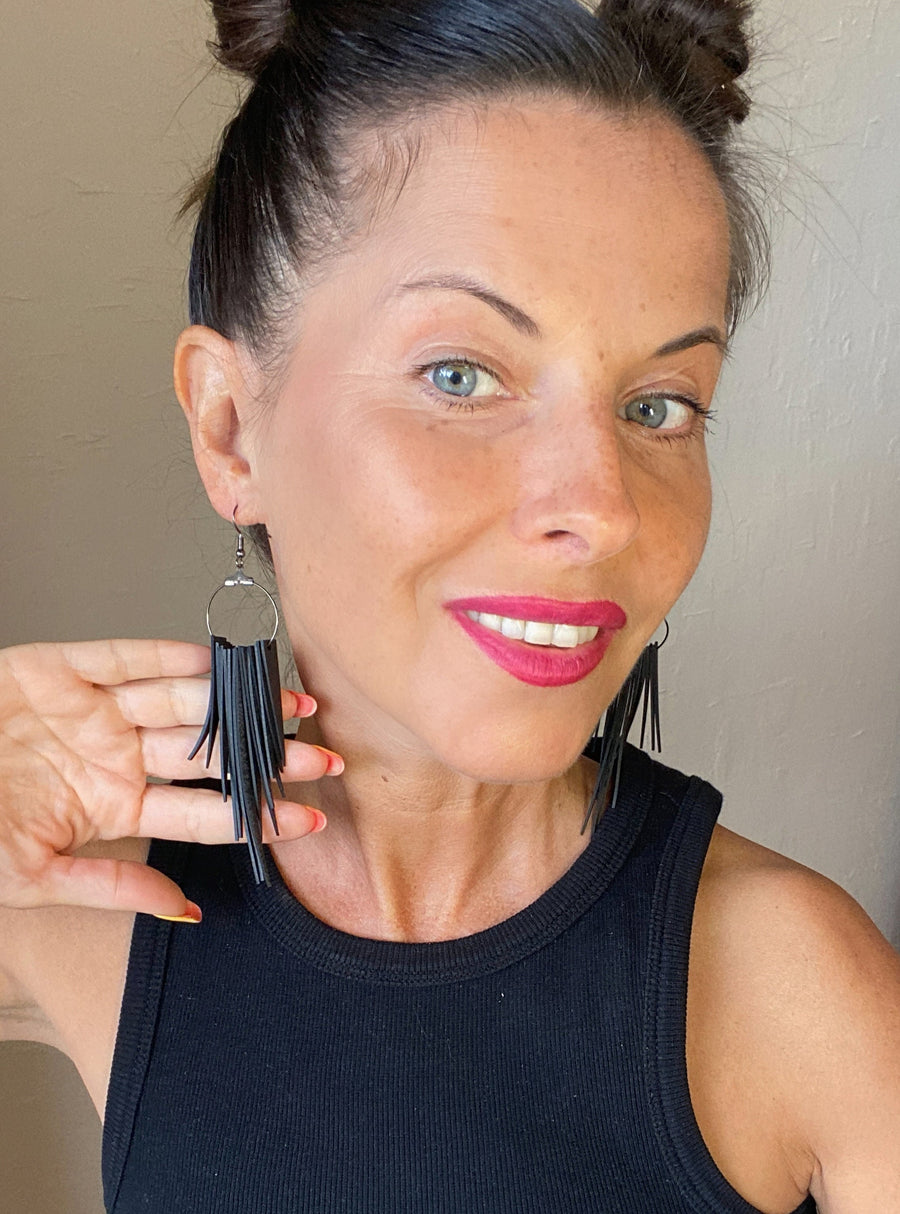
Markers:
point(82, 726)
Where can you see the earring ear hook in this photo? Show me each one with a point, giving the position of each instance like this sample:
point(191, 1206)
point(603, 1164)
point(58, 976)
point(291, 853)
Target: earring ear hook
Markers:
point(239, 552)
point(240, 578)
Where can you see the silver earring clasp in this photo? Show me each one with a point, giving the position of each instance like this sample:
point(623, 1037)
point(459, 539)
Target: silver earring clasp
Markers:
point(240, 578)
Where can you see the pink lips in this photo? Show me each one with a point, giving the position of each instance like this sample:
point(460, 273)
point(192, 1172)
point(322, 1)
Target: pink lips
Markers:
point(541, 666)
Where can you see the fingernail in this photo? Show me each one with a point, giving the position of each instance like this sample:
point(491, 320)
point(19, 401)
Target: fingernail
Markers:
point(335, 762)
point(321, 820)
point(306, 705)
point(194, 915)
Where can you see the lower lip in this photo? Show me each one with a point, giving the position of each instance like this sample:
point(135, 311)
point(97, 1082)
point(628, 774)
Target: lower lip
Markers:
point(538, 665)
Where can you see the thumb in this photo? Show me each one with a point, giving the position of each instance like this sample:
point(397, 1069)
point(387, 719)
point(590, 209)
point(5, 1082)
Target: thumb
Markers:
point(123, 885)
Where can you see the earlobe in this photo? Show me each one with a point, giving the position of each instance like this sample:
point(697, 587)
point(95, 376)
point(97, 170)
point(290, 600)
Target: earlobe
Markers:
point(213, 393)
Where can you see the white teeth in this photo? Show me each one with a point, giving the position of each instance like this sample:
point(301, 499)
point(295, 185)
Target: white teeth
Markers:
point(535, 632)
point(565, 636)
point(514, 629)
point(538, 634)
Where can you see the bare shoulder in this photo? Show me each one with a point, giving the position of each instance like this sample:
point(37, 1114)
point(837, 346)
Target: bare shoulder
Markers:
point(798, 979)
point(62, 968)
point(805, 913)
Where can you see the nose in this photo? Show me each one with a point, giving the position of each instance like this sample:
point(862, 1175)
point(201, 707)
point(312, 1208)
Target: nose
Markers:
point(574, 495)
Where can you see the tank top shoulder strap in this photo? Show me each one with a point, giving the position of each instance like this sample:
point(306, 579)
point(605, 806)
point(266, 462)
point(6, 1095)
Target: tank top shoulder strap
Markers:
point(690, 807)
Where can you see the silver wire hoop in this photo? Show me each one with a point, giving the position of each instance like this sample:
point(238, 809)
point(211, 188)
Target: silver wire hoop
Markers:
point(239, 578)
point(244, 581)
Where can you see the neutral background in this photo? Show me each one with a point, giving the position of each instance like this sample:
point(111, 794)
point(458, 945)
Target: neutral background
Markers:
point(781, 678)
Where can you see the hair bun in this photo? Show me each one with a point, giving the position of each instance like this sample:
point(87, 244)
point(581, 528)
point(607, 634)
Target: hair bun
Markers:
point(249, 32)
point(713, 31)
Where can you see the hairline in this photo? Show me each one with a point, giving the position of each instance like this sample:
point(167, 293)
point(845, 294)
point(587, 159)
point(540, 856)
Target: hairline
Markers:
point(394, 149)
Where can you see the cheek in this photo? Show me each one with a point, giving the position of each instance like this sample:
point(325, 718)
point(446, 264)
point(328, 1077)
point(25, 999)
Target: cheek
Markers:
point(689, 500)
point(675, 511)
point(362, 483)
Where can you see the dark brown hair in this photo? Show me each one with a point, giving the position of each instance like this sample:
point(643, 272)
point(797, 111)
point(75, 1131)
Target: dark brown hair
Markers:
point(288, 188)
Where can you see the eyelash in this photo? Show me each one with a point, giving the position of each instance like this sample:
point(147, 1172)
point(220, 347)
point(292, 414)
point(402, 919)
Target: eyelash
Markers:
point(468, 404)
point(705, 417)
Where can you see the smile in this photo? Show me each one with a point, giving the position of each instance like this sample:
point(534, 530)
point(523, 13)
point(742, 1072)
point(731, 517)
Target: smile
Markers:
point(542, 642)
point(558, 636)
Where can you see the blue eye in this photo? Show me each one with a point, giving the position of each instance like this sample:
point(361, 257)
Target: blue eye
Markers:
point(662, 412)
point(459, 377)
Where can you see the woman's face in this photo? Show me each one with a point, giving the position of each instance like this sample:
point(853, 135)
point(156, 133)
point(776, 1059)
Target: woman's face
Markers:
point(396, 478)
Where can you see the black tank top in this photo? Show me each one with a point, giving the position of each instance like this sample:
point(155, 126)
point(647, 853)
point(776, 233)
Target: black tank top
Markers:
point(266, 1063)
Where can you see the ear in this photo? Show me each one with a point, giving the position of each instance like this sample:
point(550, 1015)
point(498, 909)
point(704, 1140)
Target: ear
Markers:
point(211, 383)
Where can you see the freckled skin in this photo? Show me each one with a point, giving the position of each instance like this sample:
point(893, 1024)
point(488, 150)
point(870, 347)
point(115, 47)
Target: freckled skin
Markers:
point(464, 788)
point(383, 504)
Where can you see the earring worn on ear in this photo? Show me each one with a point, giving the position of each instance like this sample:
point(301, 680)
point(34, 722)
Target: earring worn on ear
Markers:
point(607, 750)
point(245, 711)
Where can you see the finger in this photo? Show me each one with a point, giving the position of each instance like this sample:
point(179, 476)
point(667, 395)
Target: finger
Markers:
point(163, 703)
point(111, 662)
point(123, 885)
point(160, 703)
point(199, 815)
point(165, 755)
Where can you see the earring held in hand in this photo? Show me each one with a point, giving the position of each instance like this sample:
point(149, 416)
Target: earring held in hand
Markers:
point(244, 711)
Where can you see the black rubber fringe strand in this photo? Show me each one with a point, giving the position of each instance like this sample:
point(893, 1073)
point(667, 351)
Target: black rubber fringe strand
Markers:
point(607, 749)
point(245, 712)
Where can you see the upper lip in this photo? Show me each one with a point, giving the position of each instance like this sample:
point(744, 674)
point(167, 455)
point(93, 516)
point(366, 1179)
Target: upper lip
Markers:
point(600, 613)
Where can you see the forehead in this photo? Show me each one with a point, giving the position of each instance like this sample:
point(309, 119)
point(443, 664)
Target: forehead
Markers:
point(559, 199)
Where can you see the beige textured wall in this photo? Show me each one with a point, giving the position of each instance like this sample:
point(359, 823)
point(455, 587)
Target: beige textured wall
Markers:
point(781, 675)
point(108, 107)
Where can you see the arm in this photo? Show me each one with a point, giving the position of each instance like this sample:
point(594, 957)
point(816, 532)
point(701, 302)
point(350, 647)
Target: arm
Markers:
point(843, 1040)
point(794, 1033)
point(20, 1017)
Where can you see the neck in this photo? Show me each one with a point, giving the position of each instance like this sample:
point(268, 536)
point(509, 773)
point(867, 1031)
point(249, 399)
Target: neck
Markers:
point(414, 851)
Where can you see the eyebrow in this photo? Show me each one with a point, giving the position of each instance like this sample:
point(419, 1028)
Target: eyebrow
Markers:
point(454, 282)
point(529, 326)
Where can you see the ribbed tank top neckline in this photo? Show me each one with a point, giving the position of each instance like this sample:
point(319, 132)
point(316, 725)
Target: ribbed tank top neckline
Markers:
point(420, 964)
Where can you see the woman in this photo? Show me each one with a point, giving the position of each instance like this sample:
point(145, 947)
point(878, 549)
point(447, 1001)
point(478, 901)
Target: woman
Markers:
point(462, 284)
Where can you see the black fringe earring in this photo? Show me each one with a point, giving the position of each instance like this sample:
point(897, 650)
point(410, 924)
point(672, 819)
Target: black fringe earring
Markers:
point(244, 711)
point(607, 749)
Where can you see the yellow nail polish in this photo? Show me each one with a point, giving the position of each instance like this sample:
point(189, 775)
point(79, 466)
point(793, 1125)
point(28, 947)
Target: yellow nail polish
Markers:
point(194, 915)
